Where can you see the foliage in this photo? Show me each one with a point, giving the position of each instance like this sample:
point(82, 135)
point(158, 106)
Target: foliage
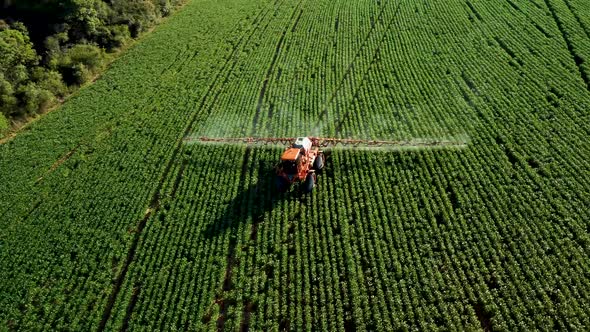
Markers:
point(23, 85)
point(71, 36)
point(3, 124)
point(78, 63)
point(16, 50)
point(112, 221)
point(136, 14)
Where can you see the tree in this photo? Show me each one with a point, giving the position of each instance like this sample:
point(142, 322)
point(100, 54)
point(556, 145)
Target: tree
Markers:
point(16, 52)
point(8, 101)
point(87, 19)
point(139, 15)
point(78, 63)
point(71, 36)
point(3, 125)
point(25, 87)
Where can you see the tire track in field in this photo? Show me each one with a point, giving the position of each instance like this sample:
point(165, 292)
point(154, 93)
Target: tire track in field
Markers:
point(570, 45)
point(230, 256)
point(513, 156)
point(259, 17)
point(230, 69)
point(340, 123)
point(351, 66)
point(59, 162)
point(131, 307)
point(188, 129)
point(109, 126)
point(155, 200)
point(577, 17)
point(473, 10)
point(273, 63)
point(226, 66)
point(529, 18)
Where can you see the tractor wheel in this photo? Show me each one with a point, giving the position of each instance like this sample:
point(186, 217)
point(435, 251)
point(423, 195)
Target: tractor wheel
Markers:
point(309, 183)
point(318, 163)
point(282, 184)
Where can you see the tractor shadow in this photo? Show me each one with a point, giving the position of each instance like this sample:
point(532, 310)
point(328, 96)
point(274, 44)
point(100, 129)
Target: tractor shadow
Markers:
point(253, 201)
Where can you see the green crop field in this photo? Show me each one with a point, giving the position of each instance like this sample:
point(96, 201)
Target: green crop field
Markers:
point(110, 220)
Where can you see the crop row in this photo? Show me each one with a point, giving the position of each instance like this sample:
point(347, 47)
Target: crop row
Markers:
point(119, 225)
point(79, 181)
point(405, 239)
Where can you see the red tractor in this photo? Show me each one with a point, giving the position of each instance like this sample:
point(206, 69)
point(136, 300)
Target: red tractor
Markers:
point(299, 163)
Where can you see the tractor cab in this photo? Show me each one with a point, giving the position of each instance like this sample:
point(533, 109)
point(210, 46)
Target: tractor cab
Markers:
point(291, 159)
point(303, 143)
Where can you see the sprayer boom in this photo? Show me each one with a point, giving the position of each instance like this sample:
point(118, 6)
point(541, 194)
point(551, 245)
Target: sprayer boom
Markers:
point(332, 142)
point(304, 157)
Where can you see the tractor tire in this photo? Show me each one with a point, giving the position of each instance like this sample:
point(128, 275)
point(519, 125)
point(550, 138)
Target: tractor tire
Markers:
point(318, 163)
point(282, 184)
point(309, 183)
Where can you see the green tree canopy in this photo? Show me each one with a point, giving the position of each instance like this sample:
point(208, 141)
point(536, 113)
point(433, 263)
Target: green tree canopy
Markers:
point(16, 50)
